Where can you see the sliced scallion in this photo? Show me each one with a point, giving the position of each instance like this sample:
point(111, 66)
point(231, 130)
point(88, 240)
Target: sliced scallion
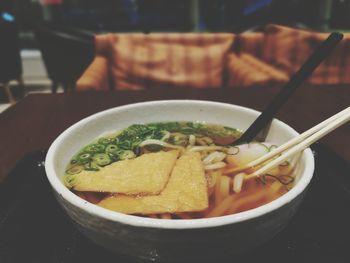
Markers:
point(102, 159)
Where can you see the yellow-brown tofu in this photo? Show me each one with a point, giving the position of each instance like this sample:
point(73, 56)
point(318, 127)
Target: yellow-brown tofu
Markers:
point(147, 174)
point(186, 191)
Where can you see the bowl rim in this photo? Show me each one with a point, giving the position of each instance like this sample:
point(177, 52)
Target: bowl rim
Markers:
point(137, 221)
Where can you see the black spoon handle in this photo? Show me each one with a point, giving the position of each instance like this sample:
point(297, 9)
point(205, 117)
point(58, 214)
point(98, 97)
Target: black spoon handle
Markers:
point(297, 79)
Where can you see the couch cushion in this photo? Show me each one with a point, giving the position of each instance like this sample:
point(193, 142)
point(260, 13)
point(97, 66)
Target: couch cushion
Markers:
point(335, 68)
point(244, 70)
point(276, 74)
point(251, 43)
point(288, 48)
point(187, 60)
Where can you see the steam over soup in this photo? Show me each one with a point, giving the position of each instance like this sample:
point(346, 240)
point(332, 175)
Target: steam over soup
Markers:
point(174, 170)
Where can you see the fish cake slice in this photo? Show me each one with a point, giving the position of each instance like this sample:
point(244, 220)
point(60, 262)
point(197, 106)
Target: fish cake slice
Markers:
point(186, 191)
point(147, 174)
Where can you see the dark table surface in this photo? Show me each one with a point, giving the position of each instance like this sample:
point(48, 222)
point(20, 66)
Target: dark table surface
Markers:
point(33, 123)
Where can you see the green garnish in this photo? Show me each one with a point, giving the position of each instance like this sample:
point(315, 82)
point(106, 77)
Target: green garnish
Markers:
point(74, 169)
point(112, 148)
point(91, 166)
point(69, 180)
point(95, 148)
point(272, 147)
point(84, 158)
point(126, 155)
point(105, 141)
point(102, 159)
point(265, 146)
point(125, 144)
point(283, 179)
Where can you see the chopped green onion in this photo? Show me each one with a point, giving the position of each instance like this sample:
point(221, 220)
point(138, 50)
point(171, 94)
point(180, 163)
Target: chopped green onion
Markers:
point(272, 147)
point(74, 169)
point(113, 157)
point(112, 148)
point(69, 180)
point(84, 158)
point(102, 159)
point(125, 145)
point(262, 178)
point(161, 143)
point(95, 148)
point(127, 155)
point(105, 141)
point(92, 166)
point(283, 179)
point(265, 146)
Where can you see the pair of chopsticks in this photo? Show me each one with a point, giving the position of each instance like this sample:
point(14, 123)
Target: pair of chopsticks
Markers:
point(295, 145)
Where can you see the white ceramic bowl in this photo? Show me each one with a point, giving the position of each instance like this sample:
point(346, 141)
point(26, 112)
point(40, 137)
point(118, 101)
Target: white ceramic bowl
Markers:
point(173, 240)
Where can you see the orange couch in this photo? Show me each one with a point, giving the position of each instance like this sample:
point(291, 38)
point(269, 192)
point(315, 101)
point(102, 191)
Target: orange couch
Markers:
point(286, 49)
point(137, 61)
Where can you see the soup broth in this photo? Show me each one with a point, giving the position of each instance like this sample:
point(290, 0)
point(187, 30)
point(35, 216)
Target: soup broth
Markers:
point(147, 170)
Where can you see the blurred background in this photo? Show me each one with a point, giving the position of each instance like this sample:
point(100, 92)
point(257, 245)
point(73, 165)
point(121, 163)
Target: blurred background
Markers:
point(159, 16)
point(174, 16)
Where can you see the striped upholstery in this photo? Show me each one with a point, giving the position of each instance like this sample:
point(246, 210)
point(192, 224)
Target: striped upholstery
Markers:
point(245, 70)
point(335, 69)
point(137, 61)
point(275, 74)
point(240, 74)
point(250, 43)
point(287, 48)
point(182, 60)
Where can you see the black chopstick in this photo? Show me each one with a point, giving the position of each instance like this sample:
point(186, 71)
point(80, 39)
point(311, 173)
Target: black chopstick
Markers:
point(297, 79)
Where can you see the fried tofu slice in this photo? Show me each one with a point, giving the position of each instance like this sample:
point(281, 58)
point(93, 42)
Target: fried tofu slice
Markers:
point(186, 191)
point(147, 174)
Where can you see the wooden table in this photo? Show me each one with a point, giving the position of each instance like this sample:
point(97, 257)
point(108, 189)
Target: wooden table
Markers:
point(34, 122)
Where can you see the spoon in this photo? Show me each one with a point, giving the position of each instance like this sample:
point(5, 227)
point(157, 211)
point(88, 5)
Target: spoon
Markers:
point(259, 128)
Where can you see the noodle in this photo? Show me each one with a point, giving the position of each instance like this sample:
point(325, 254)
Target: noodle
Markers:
point(217, 192)
point(224, 187)
point(214, 157)
point(215, 166)
point(238, 182)
point(275, 187)
point(205, 148)
point(246, 200)
point(220, 209)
